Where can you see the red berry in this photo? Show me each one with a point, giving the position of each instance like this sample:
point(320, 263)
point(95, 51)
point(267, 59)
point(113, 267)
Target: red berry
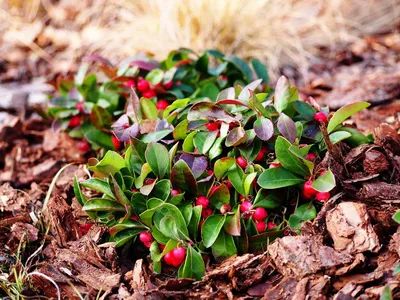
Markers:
point(168, 258)
point(116, 142)
point(143, 85)
point(245, 206)
point(134, 191)
point(134, 217)
point(260, 226)
point(275, 165)
point(306, 195)
point(178, 255)
point(241, 162)
point(205, 213)
point(320, 117)
point(145, 237)
point(175, 192)
point(308, 189)
point(222, 77)
point(168, 85)
point(311, 156)
point(79, 106)
point(242, 198)
point(322, 173)
point(149, 181)
point(210, 172)
point(228, 183)
point(261, 154)
point(130, 83)
point(149, 94)
point(74, 121)
point(212, 126)
point(203, 201)
point(271, 225)
point(83, 146)
point(213, 189)
point(162, 104)
point(225, 209)
point(162, 247)
point(322, 196)
point(147, 244)
point(260, 214)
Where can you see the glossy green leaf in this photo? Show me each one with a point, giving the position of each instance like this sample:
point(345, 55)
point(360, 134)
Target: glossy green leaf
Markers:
point(236, 177)
point(125, 236)
point(147, 216)
point(182, 178)
point(203, 141)
point(220, 196)
point(223, 247)
point(282, 94)
point(194, 222)
point(78, 192)
point(386, 293)
point(100, 117)
point(305, 110)
point(396, 217)
point(99, 186)
point(288, 160)
point(241, 65)
point(110, 164)
point(188, 145)
point(172, 244)
point(325, 182)
point(155, 136)
point(302, 213)
point(232, 224)
point(157, 157)
point(338, 136)
point(162, 189)
point(181, 130)
point(260, 69)
point(154, 253)
point(344, 113)
point(211, 228)
point(222, 166)
point(248, 182)
point(99, 138)
point(216, 149)
point(102, 204)
point(155, 76)
point(278, 178)
point(267, 199)
point(149, 109)
point(119, 193)
point(193, 266)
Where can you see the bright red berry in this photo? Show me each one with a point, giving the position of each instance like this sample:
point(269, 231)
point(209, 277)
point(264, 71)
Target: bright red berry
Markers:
point(116, 142)
point(147, 244)
point(261, 154)
point(143, 85)
point(203, 201)
point(168, 85)
point(322, 196)
point(74, 121)
point(241, 162)
point(134, 217)
point(83, 145)
point(242, 198)
point(210, 172)
point(79, 106)
point(245, 206)
point(168, 258)
point(130, 83)
point(225, 209)
point(162, 104)
point(175, 192)
point(228, 183)
point(222, 77)
point(275, 165)
point(306, 195)
point(271, 225)
point(134, 191)
point(212, 126)
point(260, 214)
point(311, 156)
point(148, 181)
point(260, 226)
point(149, 94)
point(178, 255)
point(205, 213)
point(320, 117)
point(308, 189)
point(145, 237)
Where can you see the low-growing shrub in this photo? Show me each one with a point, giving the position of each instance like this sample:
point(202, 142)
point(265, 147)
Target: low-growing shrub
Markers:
point(215, 177)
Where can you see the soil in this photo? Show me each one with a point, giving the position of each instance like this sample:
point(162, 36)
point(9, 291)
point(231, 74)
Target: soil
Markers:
point(349, 251)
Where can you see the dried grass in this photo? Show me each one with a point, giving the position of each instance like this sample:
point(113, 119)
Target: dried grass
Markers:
point(276, 31)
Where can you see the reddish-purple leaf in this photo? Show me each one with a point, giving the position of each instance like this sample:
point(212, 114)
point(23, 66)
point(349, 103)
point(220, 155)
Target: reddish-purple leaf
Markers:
point(231, 101)
point(282, 94)
point(264, 128)
point(220, 196)
point(210, 112)
point(232, 223)
point(145, 65)
point(287, 127)
point(235, 137)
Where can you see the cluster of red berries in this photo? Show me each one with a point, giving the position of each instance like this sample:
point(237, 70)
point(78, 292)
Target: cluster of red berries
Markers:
point(144, 87)
point(308, 192)
point(259, 215)
point(204, 203)
point(175, 257)
point(146, 239)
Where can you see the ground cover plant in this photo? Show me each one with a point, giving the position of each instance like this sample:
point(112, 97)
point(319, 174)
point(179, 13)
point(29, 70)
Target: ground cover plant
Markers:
point(205, 179)
point(87, 105)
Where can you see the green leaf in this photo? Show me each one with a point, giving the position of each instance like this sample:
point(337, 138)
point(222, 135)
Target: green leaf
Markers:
point(171, 245)
point(188, 145)
point(209, 90)
point(194, 265)
point(260, 69)
point(305, 110)
point(222, 166)
point(153, 205)
point(78, 192)
point(288, 160)
point(100, 117)
point(110, 164)
point(102, 204)
point(181, 130)
point(232, 224)
point(264, 128)
point(182, 178)
point(155, 136)
point(282, 94)
point(202, 63)
point(357, 138)
point(344, 113)
point(162, 189)
point(211, 228)
point(396, 217)
point(155, 76)
point(248, 182)
point(396, 270)
point(325, 183)
point(339, 136)
point(276, 178)
point(138, 203)
point(236, 176)
point(235, 137)
point(194, 221)
point(303, 213)
point(241, 65)
point(124, 236)
point(155, 252)
point(220, 196)
point(128, 224)
point(224, 246)
point(267, 199)
point(386, 294)
point(204, 140)
point(157, 157)
point(99, 138)
point(134, 155)
point(121, 197)
point(216, 150)
point(145, 170)
point(149, 109)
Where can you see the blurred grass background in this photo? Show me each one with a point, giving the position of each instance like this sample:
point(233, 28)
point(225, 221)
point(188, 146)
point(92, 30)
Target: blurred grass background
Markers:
point(279, 32)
